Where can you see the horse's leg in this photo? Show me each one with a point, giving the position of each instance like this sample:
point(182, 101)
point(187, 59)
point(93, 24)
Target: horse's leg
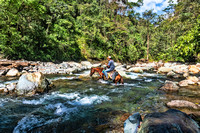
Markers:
point(101, 75)
point(117, 79)
point(121, 80)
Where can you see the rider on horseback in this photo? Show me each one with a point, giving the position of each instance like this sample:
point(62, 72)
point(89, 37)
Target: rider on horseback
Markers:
point(110, 65)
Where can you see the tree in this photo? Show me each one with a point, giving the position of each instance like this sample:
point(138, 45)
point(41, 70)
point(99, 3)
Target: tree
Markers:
point(149, 20)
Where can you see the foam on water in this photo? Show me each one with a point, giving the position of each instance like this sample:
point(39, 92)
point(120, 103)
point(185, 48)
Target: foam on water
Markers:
point(62, 109)
point(53, 95)
point(88, 100)
point(117, 90)
point(103, 81)
point(87, 72)
point(62, 78)
point(33, 102)
point(3, 101)
point(72, 98)
point(148, 80)
point(30, 122)
point(133, 75)
point(127, 84)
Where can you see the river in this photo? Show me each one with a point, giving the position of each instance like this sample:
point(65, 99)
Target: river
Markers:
point(77, 105)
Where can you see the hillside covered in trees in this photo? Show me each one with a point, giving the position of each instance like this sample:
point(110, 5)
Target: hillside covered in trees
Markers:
point(49, 30)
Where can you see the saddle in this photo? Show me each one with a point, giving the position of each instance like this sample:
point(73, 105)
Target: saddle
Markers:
point(112, 74)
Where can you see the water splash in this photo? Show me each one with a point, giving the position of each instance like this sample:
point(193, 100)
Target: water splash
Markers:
point(28, 123)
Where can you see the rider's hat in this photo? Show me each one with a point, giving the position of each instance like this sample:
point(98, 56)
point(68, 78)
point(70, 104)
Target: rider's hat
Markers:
point(109, 57)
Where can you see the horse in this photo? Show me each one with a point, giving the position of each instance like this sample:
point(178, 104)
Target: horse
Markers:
point(118, 77)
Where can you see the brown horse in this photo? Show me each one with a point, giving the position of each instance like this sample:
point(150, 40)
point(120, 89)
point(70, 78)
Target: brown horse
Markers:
point(117, 79)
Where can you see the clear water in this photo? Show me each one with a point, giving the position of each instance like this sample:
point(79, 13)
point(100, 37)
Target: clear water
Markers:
point(77, 105)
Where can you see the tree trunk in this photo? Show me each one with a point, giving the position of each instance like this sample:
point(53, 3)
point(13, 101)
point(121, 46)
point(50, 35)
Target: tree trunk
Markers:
point(148, 43)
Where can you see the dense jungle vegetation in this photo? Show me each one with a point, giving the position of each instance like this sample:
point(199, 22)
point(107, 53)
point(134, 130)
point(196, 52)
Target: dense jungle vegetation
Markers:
point(61, 30)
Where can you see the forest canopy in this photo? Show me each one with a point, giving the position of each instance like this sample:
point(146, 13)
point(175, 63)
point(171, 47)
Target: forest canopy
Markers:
point(49, 30)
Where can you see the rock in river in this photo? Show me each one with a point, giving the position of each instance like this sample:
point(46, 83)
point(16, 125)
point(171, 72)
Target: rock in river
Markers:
point(12, 72)
point(31, 83)
point(182, 104)
point(171, 121)
point(170, 86)
point(132, 123)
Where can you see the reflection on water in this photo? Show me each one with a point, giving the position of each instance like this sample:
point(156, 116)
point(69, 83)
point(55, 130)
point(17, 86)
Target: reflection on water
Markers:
point(77, 105)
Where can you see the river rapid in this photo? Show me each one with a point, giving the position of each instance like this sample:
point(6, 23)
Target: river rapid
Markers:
point(77, 105)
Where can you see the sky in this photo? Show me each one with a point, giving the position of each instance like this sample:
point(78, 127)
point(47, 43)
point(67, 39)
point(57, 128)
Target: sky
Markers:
point(156, 5)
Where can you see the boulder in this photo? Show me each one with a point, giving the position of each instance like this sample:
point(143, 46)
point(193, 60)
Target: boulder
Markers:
point(20, 64)
point(169, 64)
point(12, 73)
point(194, 69)
point(132, 124)
point(183, 83)
point(186, 74)
point(75, 65)
point(120, 68)
point(172, 74)
point(182, 104)
point(23, 64)
point(96, 65)
point(186, 83)
point(180, 69)
point(193, 79)
point(136, 70)
point(71, 70)
point(158, 65)
point(147, 68)
point(6, 63)
point(11, 87)
point(64, 65)
point(164, 69)
point(86, 64)
point(31, 83)
point(170, 86)
point(171, 121)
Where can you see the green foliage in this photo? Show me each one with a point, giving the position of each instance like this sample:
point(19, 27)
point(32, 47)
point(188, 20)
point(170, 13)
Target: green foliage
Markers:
point(61, 30)
point(174, 38)
point(188, 45)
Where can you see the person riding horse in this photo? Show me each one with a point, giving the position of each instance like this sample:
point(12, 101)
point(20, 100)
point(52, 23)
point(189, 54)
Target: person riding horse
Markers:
point(115, 76)
point(110, 66)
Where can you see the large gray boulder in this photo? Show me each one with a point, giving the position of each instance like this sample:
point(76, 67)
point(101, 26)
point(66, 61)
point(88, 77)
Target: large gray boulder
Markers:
point(171, 121)
point(31, 83)
point(182, 104)
point(132, 123)
point(170, 86)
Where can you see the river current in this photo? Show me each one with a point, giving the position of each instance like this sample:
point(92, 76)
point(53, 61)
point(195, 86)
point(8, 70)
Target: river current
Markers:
point(77, 105)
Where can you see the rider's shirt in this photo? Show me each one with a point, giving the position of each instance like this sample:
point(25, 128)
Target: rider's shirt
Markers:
point(111, 65)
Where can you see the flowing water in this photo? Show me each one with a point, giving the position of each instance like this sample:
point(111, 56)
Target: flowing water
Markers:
point(77, 105)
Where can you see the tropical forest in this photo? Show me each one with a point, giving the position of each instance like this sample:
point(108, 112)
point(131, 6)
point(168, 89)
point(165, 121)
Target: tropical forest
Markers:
point(64, 30)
